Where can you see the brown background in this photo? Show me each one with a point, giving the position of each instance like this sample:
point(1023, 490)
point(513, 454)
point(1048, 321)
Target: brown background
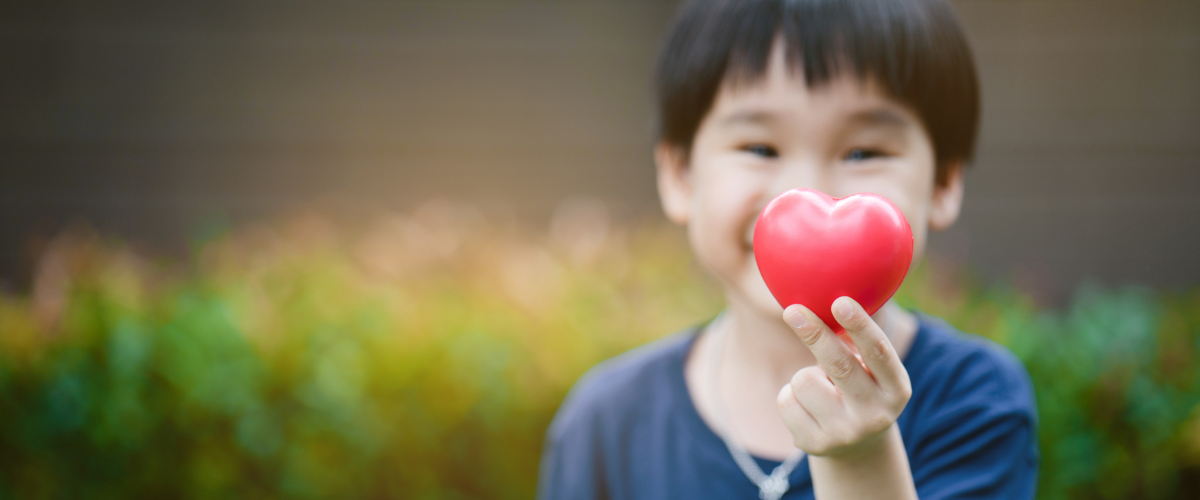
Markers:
point(150, 120)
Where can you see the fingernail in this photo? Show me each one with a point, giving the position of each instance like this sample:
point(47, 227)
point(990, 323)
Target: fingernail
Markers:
point(794, 317)
point(843, 308)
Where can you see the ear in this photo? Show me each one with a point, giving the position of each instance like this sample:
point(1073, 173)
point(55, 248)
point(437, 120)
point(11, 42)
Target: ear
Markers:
point(674, 182)
point(947, 198)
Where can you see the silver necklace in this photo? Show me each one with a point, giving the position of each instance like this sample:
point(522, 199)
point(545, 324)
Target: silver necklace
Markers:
point(770, 487)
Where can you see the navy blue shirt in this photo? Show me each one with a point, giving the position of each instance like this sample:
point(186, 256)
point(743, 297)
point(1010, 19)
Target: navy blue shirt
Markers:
point(629, 430)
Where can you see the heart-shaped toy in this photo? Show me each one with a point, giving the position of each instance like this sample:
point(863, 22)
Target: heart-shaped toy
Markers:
point(812, 248)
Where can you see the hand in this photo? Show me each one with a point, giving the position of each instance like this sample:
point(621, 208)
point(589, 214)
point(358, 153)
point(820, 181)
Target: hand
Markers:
point(844, 403)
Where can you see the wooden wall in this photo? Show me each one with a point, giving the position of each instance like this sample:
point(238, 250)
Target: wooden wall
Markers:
point(148, 118)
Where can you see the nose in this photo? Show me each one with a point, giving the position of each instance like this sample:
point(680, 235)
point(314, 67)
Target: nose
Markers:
point(795, 174)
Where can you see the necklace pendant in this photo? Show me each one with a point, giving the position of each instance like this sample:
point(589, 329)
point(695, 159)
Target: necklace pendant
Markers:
point(773, 488)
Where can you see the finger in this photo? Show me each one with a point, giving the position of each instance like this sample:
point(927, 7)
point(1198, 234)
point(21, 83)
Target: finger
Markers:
point(806, 431)
point(808, 434)
point(817, 394)
point(832, 355)
point(874, 347)
point(817, 398)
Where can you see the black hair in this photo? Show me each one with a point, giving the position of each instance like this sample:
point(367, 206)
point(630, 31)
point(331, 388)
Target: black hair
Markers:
point(915, 49)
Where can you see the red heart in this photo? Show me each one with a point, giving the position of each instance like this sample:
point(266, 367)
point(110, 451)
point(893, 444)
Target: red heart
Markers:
point(812, 248)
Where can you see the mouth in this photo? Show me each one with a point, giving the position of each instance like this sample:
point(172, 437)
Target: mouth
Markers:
point(748, 237)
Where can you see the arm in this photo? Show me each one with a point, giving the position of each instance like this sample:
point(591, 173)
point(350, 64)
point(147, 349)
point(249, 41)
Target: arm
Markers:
point(843, 411)
point(876, 470)
point(571, 465)
point(978, 439)
point(990, 456)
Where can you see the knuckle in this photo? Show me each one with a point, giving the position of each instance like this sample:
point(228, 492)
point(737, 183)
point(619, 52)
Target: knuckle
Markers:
point(895, 401)
point(856, 321)
point(799, 442)
point(817, 444)
point(877, 348)
point(799, 388)
point(904, 392)
point(832, 437)
point(842, 436)
point(892, 401)
point(841, 367)
point(878, 422)
point(786, 397)
point(809, 335)
point(805, 378)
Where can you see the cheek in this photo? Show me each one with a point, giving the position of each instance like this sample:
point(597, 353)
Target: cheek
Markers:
point(913, 201)
point(919, 197)
point(909, 186)
point(920, 232)
point(722, 209)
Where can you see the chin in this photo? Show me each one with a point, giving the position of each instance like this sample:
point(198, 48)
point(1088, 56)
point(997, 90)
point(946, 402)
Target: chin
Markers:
point(756, 294)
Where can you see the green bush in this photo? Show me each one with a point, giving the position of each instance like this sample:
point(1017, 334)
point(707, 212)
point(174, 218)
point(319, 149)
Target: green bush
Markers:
point(423, 355)
point(1117, 380)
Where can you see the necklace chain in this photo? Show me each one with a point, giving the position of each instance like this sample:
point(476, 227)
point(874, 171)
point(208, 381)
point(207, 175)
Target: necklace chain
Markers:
point(770, 487)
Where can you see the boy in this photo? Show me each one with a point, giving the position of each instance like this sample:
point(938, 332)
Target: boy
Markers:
point(757, 97)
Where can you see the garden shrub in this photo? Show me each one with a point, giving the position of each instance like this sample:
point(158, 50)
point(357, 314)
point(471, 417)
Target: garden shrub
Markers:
point(422, 355)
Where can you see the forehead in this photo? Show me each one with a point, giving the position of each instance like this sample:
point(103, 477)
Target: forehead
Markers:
point(781, 94)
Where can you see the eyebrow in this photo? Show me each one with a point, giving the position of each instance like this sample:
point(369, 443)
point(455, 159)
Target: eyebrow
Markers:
point(750, 116)
point(886, 117)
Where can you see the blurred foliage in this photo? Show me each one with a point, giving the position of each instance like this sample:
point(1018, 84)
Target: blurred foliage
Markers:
point(422, 355)
point(1116, 375)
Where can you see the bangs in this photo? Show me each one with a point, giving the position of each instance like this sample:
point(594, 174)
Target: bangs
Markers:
point(915, 50)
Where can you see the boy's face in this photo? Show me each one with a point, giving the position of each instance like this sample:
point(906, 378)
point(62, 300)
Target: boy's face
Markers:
point(762, 139)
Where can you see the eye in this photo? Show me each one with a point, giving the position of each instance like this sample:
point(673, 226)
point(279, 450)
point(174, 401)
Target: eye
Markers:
point(863, 154)
point(762, 150)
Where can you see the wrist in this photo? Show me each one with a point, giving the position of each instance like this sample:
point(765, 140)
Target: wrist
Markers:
point(875, 468)
point(870, 448)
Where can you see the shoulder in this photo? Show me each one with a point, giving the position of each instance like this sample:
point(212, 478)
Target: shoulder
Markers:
point(617, 389)
point(592, 428)
point(952, 369)
point(970, 426)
